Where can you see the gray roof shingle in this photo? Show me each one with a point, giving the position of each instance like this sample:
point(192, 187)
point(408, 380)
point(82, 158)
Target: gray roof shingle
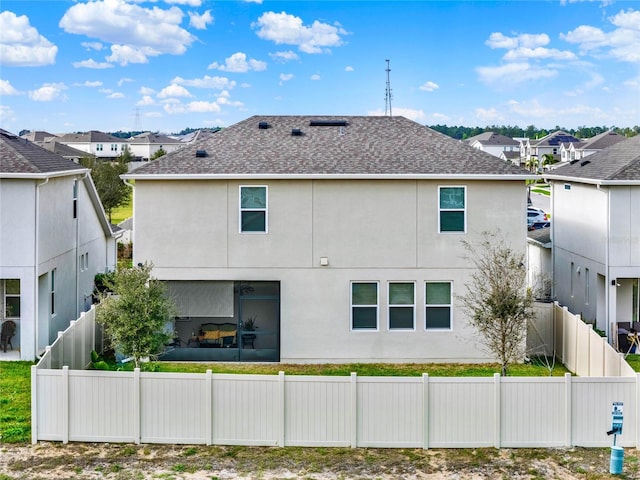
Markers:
point(20, 156)
point(365, 145)
point(602, 140)
point(492, 138)
point(618, 163)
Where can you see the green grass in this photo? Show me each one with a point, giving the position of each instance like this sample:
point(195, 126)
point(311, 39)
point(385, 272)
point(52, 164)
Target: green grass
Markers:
point(634, 361)
point(120, 214)
point(15, 402)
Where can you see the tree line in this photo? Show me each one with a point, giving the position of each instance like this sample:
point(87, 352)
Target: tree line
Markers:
point(462, 133)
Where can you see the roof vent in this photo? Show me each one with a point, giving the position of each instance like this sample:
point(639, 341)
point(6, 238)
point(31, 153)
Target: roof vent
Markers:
point(585, 162)
point(263, 125)
point(573, 161)
point(296, 132)
point(201, 153)
point(328, 123)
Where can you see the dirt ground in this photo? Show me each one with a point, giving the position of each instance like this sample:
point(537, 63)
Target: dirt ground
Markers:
point(142, 462)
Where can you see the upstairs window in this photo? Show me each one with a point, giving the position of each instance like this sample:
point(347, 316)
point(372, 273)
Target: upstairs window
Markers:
point(114, 147)
point(253, 209)
point(452, 209)
point(437, 314)
point(53, 291)
point(75, 199)
point(98, 147)
point(364, 305)
point(402, 305)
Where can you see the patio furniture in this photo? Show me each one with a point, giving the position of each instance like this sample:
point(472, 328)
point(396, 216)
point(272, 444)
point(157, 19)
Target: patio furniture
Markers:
point(6, 333)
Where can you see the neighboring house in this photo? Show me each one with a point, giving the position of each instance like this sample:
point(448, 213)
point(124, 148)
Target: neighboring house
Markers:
point(540, 262)
point(54, 239)
point(342, 237)
point(510, 156)
point(532, 150)
point(596, 235)
point(493, 143)
point(38, 136)
point(145, 145)
point(65, 151)
point(100, 144)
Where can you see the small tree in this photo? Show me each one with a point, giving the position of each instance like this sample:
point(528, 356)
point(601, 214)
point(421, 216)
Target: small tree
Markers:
point(135, 317)
point(497, 299)
point(106, 176)
point(159, 153)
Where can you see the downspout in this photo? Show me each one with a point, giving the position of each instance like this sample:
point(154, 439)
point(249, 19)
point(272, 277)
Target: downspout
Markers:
point(77, 219)
point(610, 332)
point(36, 258)
point(133, 219)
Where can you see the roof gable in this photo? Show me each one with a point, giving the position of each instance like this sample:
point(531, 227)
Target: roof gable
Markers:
point(328, 145)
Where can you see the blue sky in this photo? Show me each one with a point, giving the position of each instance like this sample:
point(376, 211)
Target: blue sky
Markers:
point(166, 65)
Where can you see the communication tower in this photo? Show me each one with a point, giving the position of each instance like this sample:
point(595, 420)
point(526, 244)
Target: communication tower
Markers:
point(387, 96)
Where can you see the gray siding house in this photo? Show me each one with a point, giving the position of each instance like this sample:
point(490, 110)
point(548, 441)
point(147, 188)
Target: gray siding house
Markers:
point(323, 239)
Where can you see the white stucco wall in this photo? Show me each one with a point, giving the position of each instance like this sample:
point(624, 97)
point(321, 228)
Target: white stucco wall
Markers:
point(369, 230)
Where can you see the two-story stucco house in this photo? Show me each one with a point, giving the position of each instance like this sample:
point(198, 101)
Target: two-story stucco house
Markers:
point(54, 239)
point(145, 145)
point(341, 237)
point(596, 234)
point(100, 144)
point(494, 143)
point(532, 150)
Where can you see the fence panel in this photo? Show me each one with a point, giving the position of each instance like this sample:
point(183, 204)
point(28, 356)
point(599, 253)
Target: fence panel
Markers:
point(461, 412)
point(318, 411)
point(592, 403)
point(173, 408)
point(102, 406)
point(246, 409)
point(390, 412)
point(533, 412)
point(49, 414)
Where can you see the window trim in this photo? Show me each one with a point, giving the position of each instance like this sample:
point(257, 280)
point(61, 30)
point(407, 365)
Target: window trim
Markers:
point(352, 306)
point(450, 305)
point(393, 305)
point(52, 296)
point(265, 210)
point(10, 295)
point(463, 210)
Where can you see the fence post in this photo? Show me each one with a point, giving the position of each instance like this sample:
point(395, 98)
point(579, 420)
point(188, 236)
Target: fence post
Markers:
point(354, 409)
point(425, 411)
point(34, 404)
point(281, 411)
point(498, 409)
point(74, 338)
point(208, 415)
point(136, 406)
point(567, 409)
point(637, 410)
point(65, 404)
point(60, 342)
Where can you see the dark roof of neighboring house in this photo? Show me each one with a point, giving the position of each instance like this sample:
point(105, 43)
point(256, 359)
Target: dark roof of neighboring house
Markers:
point(603, 140)
point(492, 138)
point(148, 137)
point(64, 150)
point(20, 156)
point(511, 154)
point(554, 139)
point(37, 136)
point(89, 137)
point(619, 163)
point(343, 146)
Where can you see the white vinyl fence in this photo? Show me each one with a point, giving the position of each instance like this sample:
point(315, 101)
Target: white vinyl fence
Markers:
point(280, 410)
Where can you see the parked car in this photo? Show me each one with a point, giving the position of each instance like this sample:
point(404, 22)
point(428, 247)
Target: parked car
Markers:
point(536, 215)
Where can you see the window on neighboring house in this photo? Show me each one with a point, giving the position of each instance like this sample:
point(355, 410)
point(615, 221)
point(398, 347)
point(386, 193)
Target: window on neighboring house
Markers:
point(114, 147)
point(364, 305)
point(587, 286)
point(452, 210)
point(98, 147)
point(84, 262)
point(12, 298)
point(437, 305)
point(253, 209)
point(75, 199)
point(53, 291)
point(402, 305)
point(555, 151)
point(571, 279)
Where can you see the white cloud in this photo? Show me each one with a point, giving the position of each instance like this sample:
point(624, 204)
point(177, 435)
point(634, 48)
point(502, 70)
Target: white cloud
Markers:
point(526, 40)
point(513, 73)
point(192, 107)
point(174, 90)
point(282, 28)
point(145, 100)
point(283, 57)
point(219, 83)
point(348, 68)
point(106, 91)
point(91, 63)
point(315, 76)
point(593, 82)
point(253, 1)
point(147, 90)
point(620, 44)
point(48, 92)
point(7, 115)
point(7, 89)
point(200, 21)
point(524, 53)
point(224, 99)
point(96, 83)
point(238, 63)
point(429, 86)
point(21, 45)
point(285, 77)
point(92, 45)
point(190, 3)
point(633, 83)
point(439, 117)
point(115, 95)
point(488, 114)
point(135, 32)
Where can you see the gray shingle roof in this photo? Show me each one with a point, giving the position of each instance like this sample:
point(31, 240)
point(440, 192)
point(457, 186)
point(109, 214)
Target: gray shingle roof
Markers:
point(364, 146)
point(89, 137)
point(148, 137)
point(603, 140)
point(618, 163)
point(492, 138)
point(20, 156)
